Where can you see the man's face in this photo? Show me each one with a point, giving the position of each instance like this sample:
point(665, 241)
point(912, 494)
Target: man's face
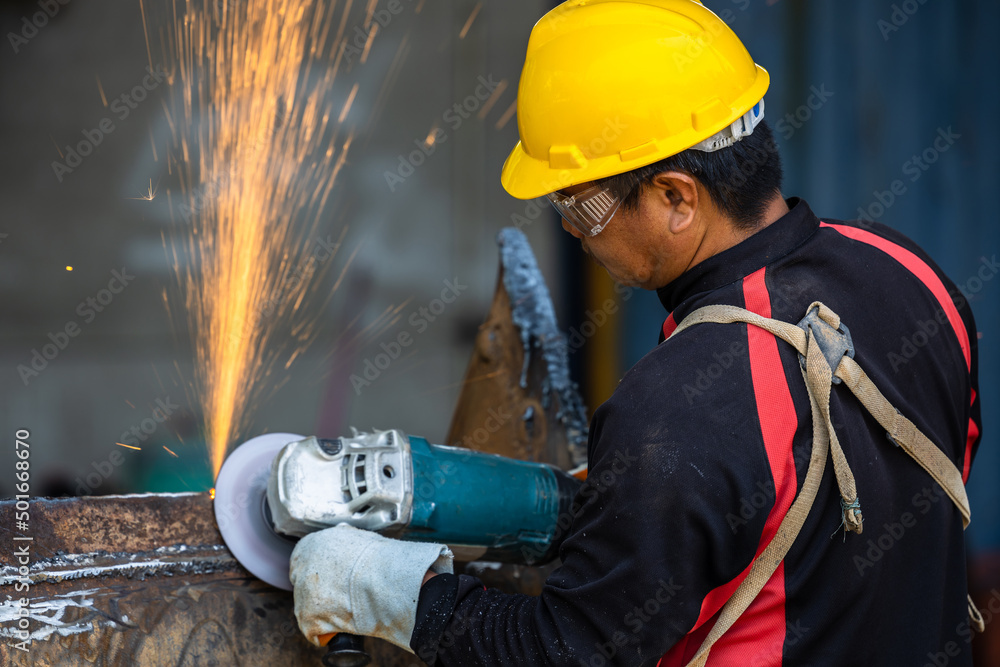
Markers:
point(634, 246)
point(674, 227)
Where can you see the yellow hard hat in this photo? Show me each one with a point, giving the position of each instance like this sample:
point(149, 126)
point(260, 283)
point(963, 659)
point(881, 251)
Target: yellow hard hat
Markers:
point(612, 85)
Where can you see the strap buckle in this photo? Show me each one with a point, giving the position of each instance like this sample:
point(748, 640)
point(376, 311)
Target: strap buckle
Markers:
point(833, 343)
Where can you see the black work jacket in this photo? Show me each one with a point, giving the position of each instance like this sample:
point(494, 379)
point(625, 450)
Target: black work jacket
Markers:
point(698, 455)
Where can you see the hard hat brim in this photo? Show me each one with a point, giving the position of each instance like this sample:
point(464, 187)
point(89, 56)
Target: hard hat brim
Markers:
point(526, 177)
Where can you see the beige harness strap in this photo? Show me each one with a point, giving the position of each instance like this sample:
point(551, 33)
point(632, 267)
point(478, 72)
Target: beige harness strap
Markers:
point(905, 434)
point(818, 378)
point(819, 382)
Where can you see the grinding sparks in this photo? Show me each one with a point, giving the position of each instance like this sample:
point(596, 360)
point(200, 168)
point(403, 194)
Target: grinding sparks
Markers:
point(256, 146)
point(128, 446)
point(211, 494)
point(507, 115)
point(368, 44)
point(488, 105)
point(347, 105)
point(468, 21)
point(430, 138)
point(100, 89)
point(149, 195)
point(171, 452)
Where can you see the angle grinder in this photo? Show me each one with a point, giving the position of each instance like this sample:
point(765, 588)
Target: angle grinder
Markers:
point(276, 488)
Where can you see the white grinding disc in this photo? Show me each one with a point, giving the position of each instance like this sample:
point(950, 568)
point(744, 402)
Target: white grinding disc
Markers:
point(240, 491)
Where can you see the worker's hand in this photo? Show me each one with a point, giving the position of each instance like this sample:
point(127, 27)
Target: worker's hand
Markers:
point(356, 581)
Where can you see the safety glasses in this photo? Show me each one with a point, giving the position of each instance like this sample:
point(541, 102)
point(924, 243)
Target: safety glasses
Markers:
point(590, 210)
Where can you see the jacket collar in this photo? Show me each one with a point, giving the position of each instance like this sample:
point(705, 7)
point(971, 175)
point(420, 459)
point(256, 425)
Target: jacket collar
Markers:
point(764, 247)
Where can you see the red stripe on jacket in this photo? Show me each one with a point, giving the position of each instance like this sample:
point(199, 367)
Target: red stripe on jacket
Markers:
point(760, 631)
point(921, 270)
point(668, 326)
point(969, 441)
point(926, 275)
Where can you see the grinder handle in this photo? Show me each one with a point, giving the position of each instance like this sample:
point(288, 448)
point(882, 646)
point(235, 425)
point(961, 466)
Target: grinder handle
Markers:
point(344, 650)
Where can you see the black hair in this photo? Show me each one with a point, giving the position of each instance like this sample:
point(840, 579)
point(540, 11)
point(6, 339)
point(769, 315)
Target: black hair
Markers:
point(741, 179)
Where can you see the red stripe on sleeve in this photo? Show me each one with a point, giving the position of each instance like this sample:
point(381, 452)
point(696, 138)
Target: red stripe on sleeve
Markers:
point(970, 440)
point(967, 465)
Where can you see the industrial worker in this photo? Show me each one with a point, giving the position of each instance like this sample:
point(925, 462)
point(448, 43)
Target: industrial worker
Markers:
point(781, 480)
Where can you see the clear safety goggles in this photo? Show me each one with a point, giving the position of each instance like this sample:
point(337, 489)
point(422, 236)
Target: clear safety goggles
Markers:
point(590, 210)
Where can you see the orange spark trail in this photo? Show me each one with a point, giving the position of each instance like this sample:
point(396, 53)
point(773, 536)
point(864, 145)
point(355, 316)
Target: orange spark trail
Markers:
point(255, 144)
point(468, 22)
point(100, 89)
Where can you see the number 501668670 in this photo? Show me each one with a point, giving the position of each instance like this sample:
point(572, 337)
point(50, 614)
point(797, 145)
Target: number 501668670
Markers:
point(22, 466)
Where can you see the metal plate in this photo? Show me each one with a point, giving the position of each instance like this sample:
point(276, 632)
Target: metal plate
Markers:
point(240, 492)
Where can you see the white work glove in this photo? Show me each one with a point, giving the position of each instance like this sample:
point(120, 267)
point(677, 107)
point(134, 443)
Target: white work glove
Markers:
point(358, 582)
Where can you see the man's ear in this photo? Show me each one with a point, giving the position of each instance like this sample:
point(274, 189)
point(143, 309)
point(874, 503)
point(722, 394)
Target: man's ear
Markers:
point(679, 192)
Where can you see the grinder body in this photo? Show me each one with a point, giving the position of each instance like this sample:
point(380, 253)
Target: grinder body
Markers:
point(483, 506)
point(471, 500)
